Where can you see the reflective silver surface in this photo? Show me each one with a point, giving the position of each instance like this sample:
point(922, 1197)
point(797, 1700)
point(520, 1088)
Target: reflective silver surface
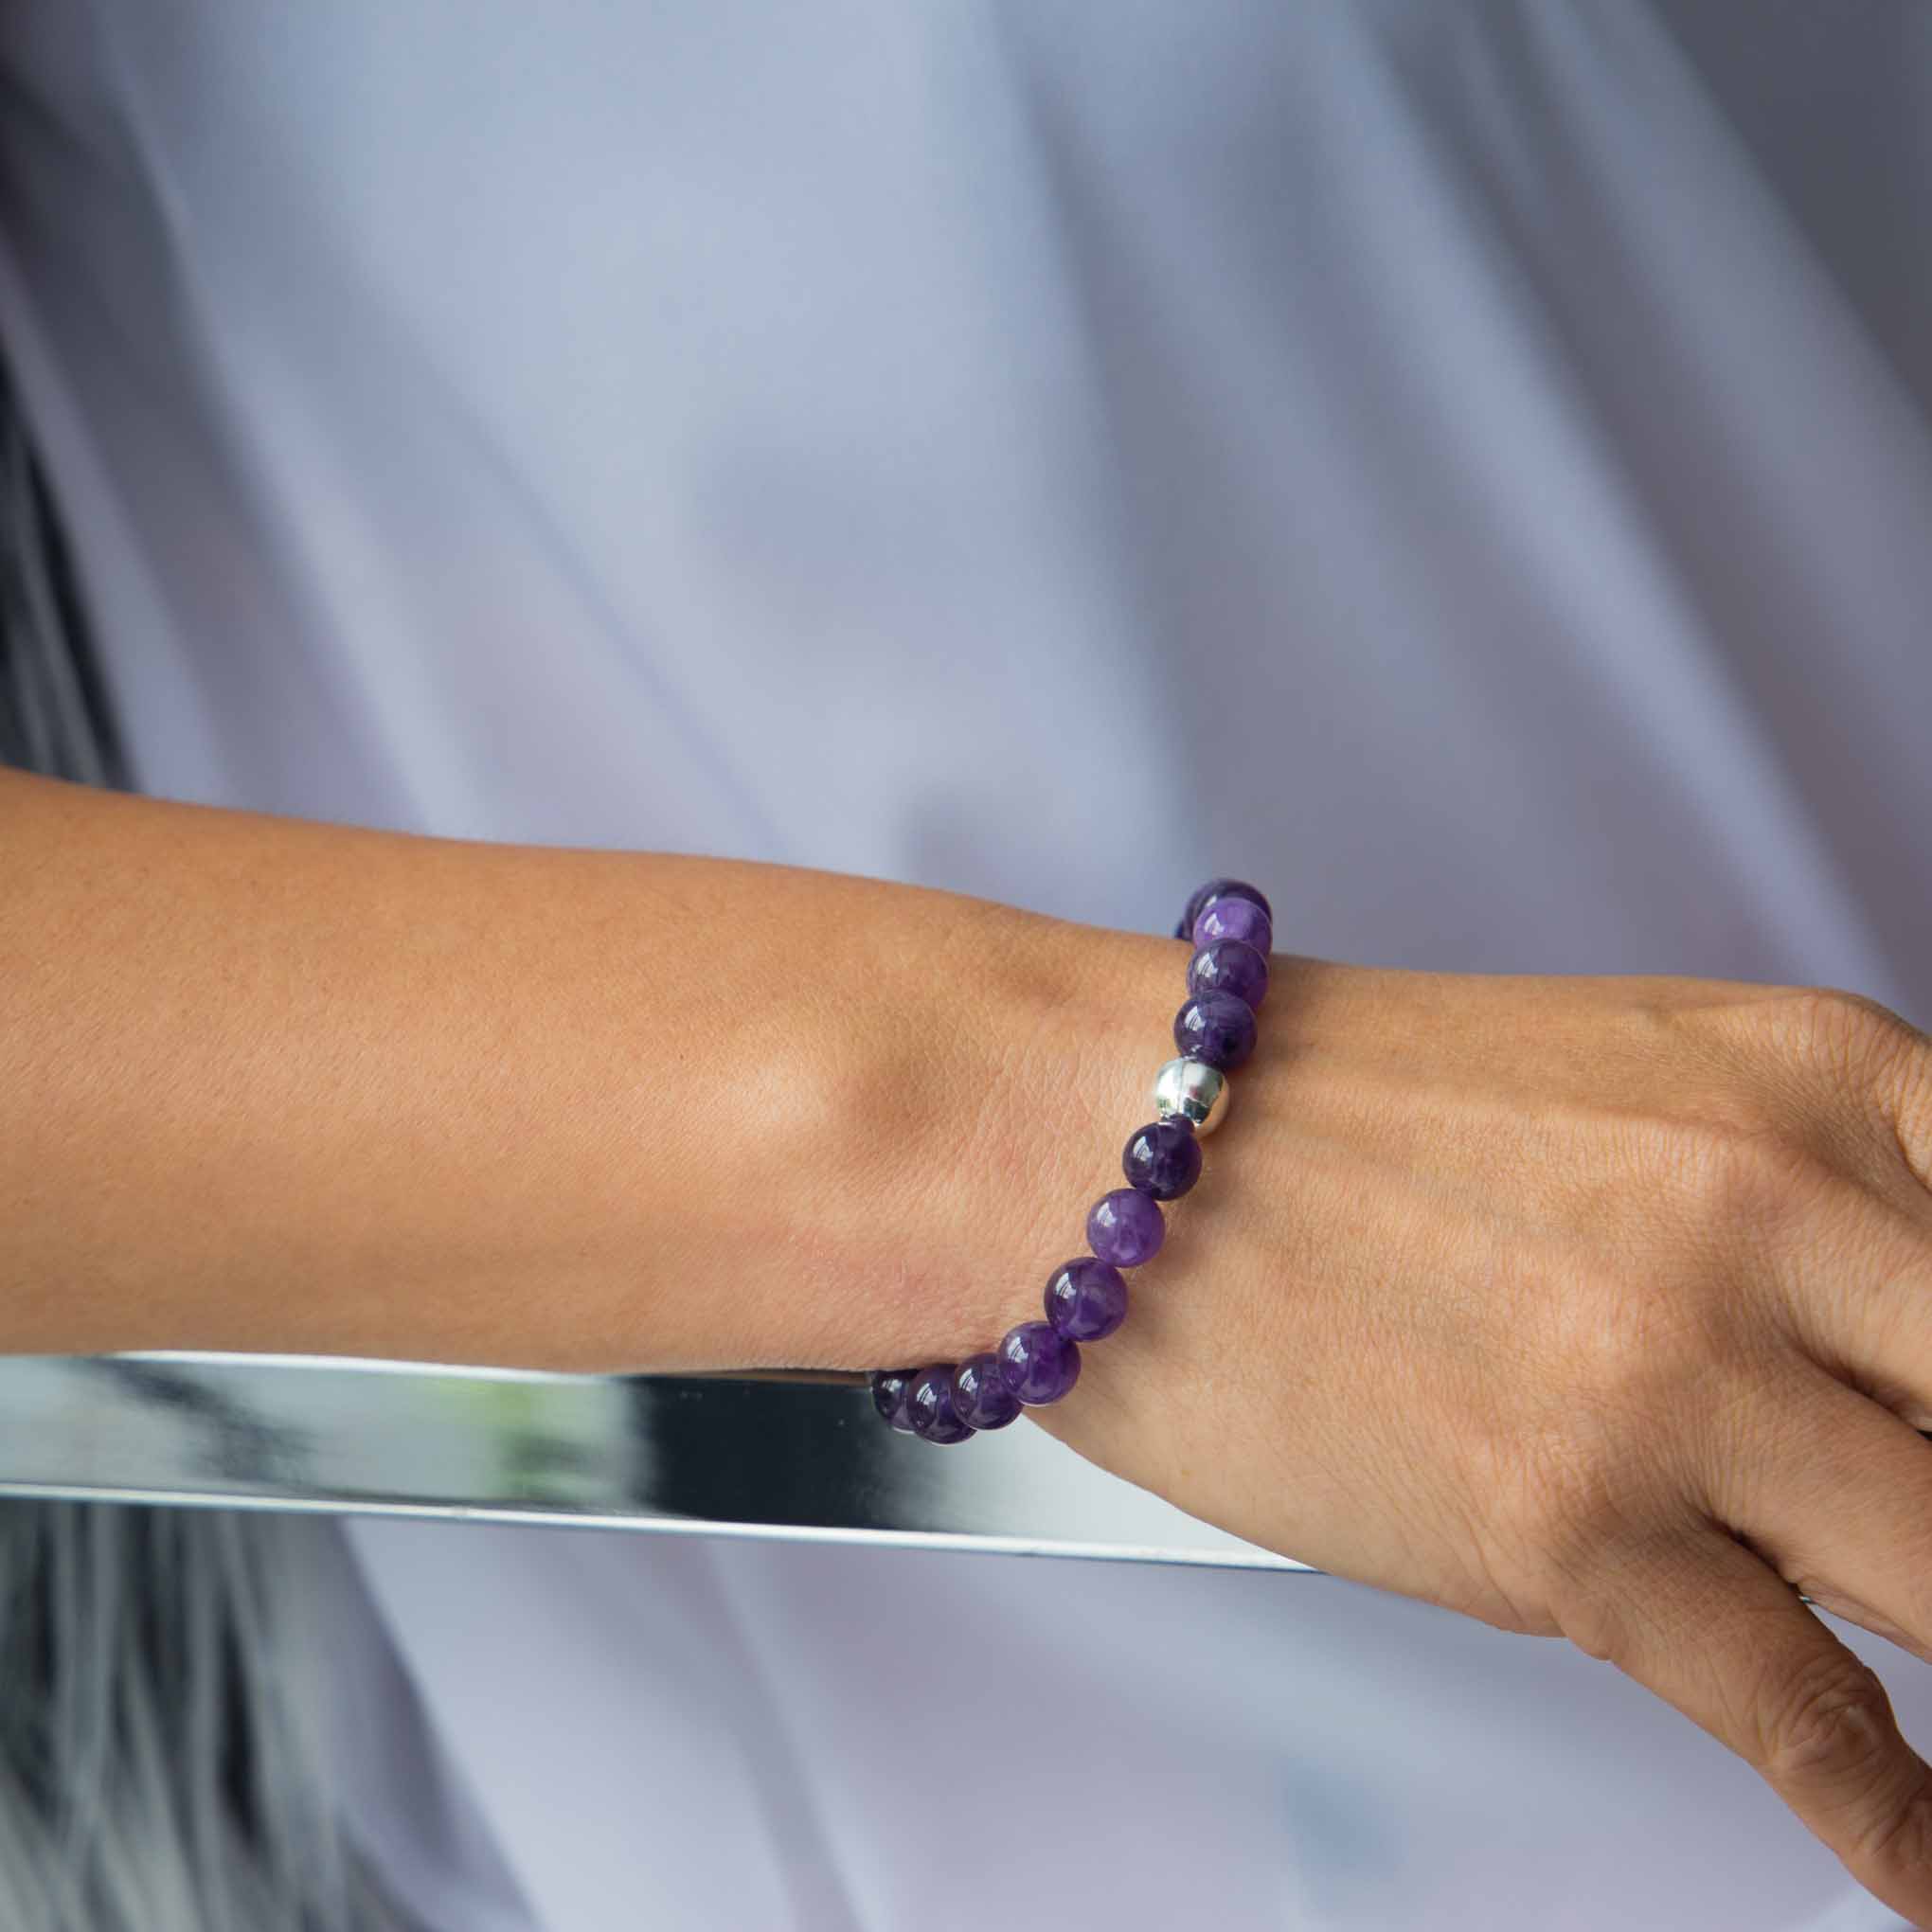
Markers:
point(801, 1456)
point(1194, 1090)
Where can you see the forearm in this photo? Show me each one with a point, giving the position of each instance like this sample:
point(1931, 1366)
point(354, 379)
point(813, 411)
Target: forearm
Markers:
point(272, 1085)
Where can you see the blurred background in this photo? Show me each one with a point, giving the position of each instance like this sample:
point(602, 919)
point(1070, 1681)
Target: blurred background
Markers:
point(1466, 466)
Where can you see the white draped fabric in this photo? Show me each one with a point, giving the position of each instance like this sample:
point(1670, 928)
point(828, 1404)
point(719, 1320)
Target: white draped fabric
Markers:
point(1465, 467)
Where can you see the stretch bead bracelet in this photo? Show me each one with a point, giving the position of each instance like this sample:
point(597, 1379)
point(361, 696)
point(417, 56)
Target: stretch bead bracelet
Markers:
point(1038, 1362)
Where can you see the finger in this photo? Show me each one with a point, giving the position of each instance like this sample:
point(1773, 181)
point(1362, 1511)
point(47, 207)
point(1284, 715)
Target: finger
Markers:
point(1860, 1279)
point(1714, 1631)
point(1837, 1499)
point(1907, 1098)
point(1853, 1272)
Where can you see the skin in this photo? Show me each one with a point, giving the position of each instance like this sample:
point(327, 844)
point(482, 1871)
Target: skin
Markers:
point(1589, 1307)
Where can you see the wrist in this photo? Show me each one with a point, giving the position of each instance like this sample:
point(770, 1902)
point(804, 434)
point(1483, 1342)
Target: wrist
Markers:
point(992, 1096)
point(1036, 1361)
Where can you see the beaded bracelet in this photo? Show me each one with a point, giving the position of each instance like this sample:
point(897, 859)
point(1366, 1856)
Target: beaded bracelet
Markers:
point(1037, 1362)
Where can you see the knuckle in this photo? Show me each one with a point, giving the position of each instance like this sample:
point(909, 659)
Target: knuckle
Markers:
point(1897, 1843)
point(1604, 1601)
point(1748, 1173)
point(1830, 1723)
point(1912, 1109)
point(1592, 1621)
point(1844, 1034)
point(1585, 1467)
point(1591, 1509)
point(1873, 1057)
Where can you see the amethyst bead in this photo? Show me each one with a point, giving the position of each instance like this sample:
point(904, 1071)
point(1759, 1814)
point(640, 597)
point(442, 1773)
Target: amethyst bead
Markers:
point(890, 1388)
point(1203, 895)
point(1234, 919)
point(1086, 1299)
point(1163, 1158)
point(1217, 1028)
point(1037, 1362)
point(980, 1394)
point(1230, 966)
point(1125, 1227)
point(929, 1403)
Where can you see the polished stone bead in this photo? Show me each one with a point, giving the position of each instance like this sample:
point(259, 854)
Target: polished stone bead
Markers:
point(1217, 1028)
point(1230, 966)
point(890, 1388)
point(1037, 1362)
point(1125, 1227)
point(980, 1394)
point(1234, 919)
point(1192, 1090)
point(1086, 1299)
point(1204, 896)
point(929, 1403)
point(1162, 1158)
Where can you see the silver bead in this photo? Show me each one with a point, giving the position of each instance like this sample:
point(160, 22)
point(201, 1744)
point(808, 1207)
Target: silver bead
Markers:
point(1194, 1090)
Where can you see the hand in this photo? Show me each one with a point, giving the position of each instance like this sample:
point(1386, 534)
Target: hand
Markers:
point(1592, 1307)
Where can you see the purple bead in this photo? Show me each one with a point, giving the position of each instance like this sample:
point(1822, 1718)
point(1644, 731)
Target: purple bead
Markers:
point(1037, 1362)
point(1230, 966)
point(980, 1394)
point(1086, 1299)
point(1125, 1227)
point(1234, 919)
point(1202, 896)
point(929, 1403)
point(1163, 1158)
point(1217, 1028)
point(890, 1388)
